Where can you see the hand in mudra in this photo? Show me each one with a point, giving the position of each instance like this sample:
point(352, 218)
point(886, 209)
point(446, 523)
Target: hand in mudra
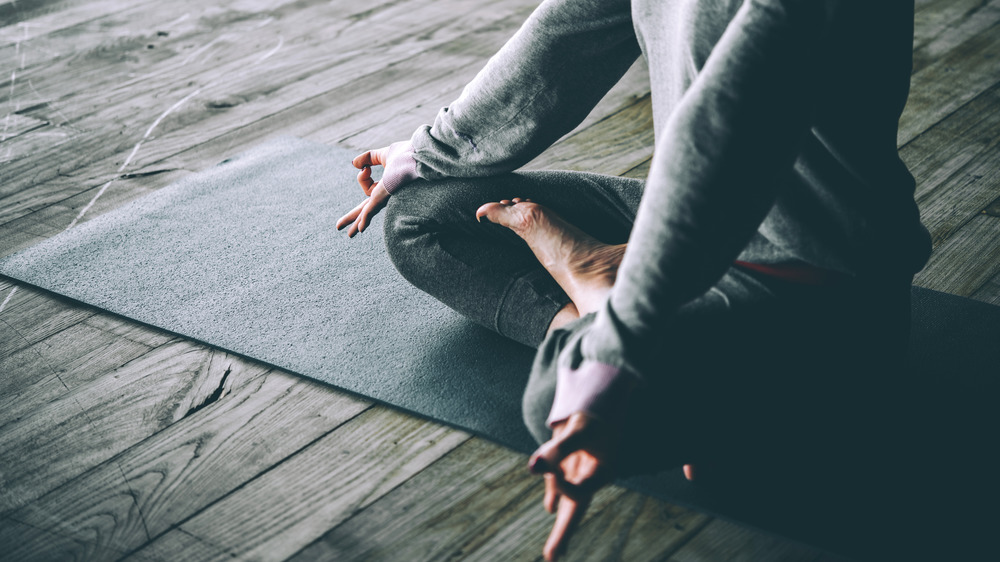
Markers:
point(576, 462)
point(397, 159)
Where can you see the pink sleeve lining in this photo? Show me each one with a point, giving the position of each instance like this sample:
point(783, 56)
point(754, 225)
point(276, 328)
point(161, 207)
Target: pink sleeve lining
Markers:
point(401, 167)
point(597, 389)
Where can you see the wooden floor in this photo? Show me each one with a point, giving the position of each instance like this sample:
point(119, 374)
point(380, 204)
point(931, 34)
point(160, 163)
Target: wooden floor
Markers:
point(119, 441)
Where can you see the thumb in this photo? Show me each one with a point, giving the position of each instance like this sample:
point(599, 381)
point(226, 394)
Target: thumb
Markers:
point(566, 440)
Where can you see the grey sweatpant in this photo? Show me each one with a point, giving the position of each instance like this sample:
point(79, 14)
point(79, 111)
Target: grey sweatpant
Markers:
point(751, 365)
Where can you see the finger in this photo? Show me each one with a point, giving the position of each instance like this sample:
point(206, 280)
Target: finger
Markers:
point(362, 221)
point(569, 515)
point(580, 490)
point(374, 205)
point(350, 216)
point(551, 493)
point(362, 160)
point(552, 452)
point(371, 158)
point(365, 180)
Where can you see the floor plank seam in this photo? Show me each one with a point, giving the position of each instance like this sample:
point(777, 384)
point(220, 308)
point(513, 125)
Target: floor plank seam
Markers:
point(177, 526)
point(929, 129)
point(699, 527)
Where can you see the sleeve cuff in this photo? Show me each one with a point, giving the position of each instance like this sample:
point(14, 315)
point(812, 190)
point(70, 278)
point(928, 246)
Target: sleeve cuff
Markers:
point(597, 389)
point(402, 167)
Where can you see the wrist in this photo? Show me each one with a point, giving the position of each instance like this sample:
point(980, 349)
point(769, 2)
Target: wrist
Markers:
point(401, 167)
point(597, 389)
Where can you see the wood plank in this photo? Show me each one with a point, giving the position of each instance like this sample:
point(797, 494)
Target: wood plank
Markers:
point(129, 329)
point(479, 502)
point(149, 33)
point(956, 179)
point(21, 21)
point(949, 83)
point(290, 506)
point(638, 528)
point(70, 358)
point(30, 317)
point(446, 510)
point(301, 73)
point(90, 424)
point(87, 61)
point(25, 232)
point(967, 261)
point(964, 137)
point(943, 25)
point(722, 540)
point(412, 110)
point(614, 145)
point(143, 492)
point(283, 89)
point(13, 533)
point(989, 292)
point(14, 124)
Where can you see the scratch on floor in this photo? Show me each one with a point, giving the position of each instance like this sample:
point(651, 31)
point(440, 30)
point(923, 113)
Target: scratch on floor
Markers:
point(202, 49)
point(13, 76)
point(52, 105)
point(177, 21)
point(281, 41)
point(7, 300)
point(128, 160)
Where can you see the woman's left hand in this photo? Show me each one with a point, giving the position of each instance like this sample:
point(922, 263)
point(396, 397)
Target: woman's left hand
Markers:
point(576, 462)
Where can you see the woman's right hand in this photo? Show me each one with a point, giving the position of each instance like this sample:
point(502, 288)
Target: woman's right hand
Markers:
point(400, 168)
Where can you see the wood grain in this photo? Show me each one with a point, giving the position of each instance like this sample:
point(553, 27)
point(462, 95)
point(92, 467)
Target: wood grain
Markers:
point(481, 503)
point(950, 82)
point(943, 25)
point(295, 502)
point(87, 354)
point(29, 317)
point(216, 448)
point(967, 261)
point(90, 424)
point(613, 145)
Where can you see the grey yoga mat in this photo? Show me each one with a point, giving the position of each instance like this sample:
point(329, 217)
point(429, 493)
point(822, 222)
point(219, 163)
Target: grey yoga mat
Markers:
point(244, 256)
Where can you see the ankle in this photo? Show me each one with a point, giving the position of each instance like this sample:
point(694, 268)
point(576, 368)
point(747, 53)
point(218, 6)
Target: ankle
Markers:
point(566, 314)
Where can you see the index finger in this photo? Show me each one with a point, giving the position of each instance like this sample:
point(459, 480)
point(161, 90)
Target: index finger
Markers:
point(569, 515)
point(549, 454)
point(369, 158)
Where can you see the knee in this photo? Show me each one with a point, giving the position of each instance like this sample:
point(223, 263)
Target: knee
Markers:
point(535, 406)
point(412, 219)
point(401, 232)
point(541, 389)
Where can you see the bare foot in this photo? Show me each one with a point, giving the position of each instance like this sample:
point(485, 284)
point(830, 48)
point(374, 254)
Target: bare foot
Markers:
point(582, 265)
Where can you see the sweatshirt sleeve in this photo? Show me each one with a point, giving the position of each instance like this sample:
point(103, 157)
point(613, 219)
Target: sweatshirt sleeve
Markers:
point(538, 87)
point(713, 179)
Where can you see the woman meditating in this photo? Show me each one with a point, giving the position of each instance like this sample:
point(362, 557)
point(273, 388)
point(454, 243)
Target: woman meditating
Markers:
point(735, 313)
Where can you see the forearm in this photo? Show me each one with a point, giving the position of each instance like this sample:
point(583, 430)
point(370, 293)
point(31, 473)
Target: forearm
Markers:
point(540, 85)
point(715, 172)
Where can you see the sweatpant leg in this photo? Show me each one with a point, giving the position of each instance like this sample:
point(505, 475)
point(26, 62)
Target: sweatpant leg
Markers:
point(778, 393)
point(748, 367)
point(485, 271)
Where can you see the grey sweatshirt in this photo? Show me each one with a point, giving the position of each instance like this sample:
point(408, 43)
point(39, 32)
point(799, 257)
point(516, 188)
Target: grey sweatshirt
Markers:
point(775, 125)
